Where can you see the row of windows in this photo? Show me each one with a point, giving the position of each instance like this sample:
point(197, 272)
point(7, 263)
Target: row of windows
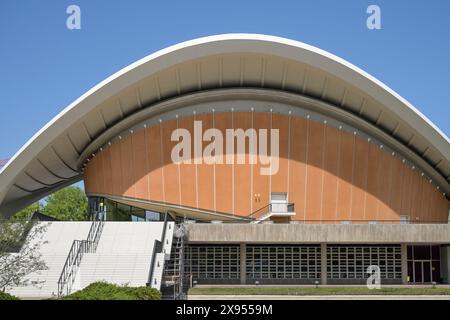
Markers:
point(351, 262)
point(283, 262)
point(287, 262)
point(213, 262)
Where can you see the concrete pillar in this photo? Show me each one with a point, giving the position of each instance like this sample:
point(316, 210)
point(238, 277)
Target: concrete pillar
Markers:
point(323, 263)
point(243, 253)
point(404, 252)
point(445, 264)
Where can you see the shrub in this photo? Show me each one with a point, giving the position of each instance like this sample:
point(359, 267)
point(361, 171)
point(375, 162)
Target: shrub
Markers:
point(107, 291)
point(7, 296)
point(145, 293)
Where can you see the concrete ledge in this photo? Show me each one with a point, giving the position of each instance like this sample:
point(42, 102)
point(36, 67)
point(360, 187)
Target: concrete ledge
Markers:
point(327, 297)
point(318, 233)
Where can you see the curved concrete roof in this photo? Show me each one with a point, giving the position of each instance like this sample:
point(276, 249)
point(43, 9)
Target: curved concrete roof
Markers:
point(53, 157)
point(3, 162)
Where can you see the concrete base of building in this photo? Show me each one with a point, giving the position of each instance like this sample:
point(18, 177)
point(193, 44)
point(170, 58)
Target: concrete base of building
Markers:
point(325, 297)
point(326, 254)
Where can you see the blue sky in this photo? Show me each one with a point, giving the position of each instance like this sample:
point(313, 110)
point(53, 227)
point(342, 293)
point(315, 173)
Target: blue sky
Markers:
point(44, 66)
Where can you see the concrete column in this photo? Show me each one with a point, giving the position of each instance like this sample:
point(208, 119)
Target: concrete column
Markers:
point(323, 263)
point(445, 264)
point(404, 252)
point(243, 253)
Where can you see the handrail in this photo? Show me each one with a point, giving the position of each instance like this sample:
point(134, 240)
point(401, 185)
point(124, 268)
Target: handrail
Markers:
point(271, 207)
point(254, 213)
point(76, 252)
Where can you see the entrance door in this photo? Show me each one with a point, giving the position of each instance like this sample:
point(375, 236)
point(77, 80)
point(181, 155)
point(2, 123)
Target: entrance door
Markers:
point(424, 264)
point(278, 202)
point(278, 197)
point(426, 267)
point(424, 272)
point(418, 274)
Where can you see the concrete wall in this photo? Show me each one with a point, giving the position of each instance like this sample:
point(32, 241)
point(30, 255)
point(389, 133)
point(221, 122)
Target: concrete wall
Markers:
point(318, 233)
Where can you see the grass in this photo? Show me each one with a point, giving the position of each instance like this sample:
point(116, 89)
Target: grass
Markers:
point(316, 291)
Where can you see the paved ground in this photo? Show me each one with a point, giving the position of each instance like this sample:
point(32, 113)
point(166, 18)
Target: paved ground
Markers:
point(329, 297)
point(320, 286)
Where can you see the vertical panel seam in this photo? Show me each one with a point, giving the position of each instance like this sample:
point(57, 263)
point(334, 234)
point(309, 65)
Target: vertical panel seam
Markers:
point(196, 169)
point(270, 176)
point(179, 171)
point(323, 170)
point(391, 162)
point(339, 176)
point(214, 164)
point(132, 167)
point(232, 165)
point(251, 170)
point(147, 170)
point(161, 146)
point(306, 170)
point(352, 186)
point(289, 155)
point(366, 176)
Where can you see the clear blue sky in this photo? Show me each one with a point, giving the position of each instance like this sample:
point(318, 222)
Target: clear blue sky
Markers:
point(44, 66)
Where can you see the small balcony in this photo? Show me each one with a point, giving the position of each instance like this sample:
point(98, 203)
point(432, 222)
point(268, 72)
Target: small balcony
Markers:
point(275, 210)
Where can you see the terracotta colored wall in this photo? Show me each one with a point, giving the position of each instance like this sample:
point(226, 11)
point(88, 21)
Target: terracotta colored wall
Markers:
point(329, 174)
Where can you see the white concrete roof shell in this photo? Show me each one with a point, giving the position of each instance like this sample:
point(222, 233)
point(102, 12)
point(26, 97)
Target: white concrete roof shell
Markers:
point(50, 159)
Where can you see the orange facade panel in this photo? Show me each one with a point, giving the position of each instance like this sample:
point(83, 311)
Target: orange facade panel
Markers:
point(329, 174)
point(280, 179)
point(188, 171)
point(172, 185)
point(126, 156)
point(140, 161)
point(155, 162)
point(260, 196)
point(358, 204)
point(205, 172)
point(314, 172)
point(330, 179)
point(242, 172)
point(224, 172)
point(345, 172)
point(298, 167)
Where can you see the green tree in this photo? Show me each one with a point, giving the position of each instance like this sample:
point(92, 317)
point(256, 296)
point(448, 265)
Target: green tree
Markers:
point(26, 213)
point(20, 255)
point(68, 204)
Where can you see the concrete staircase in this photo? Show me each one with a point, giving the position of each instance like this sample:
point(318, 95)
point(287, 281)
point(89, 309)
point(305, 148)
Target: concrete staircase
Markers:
point(123, 256)
point(57, 240)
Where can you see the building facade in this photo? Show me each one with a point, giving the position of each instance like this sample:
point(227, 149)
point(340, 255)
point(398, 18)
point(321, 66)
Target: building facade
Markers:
point(284, 164)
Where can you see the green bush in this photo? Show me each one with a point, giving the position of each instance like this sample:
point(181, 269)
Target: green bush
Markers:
point(108, 291)
point(7, 296)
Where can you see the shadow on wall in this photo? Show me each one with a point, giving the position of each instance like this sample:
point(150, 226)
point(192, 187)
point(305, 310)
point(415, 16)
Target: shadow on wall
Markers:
point(329, 174)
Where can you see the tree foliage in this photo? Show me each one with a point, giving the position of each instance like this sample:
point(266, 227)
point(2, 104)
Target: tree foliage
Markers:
point(68, 204)
point(7, 296)
point(26, 213)
point(21, 238)
point(19, 251)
